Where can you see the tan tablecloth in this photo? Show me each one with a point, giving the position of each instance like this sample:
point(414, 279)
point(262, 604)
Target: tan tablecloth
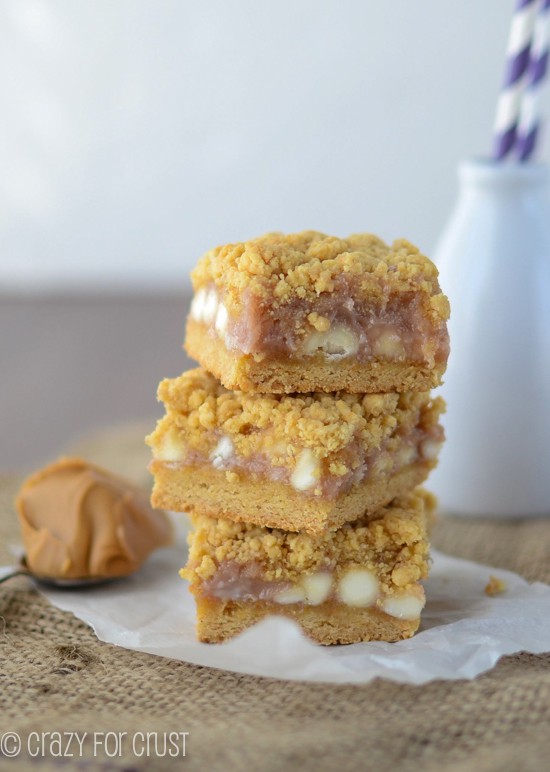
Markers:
point(56, 676)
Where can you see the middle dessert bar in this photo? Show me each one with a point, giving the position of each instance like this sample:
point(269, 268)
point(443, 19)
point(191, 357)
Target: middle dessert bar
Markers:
point(297, 462)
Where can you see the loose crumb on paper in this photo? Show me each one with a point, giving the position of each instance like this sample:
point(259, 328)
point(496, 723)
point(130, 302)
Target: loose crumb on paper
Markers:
point(495, 586)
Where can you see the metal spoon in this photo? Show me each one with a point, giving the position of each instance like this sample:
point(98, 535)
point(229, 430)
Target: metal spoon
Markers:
point(22, 569)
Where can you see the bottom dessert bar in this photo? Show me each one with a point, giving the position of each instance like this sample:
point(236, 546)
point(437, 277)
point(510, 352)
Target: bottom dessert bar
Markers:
point(360, 583)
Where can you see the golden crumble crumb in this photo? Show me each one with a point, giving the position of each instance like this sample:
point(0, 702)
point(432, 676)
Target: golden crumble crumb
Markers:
point(338, 469)
point(404, 575)
point(321, 323)
point(495, 586)
point(206, 567)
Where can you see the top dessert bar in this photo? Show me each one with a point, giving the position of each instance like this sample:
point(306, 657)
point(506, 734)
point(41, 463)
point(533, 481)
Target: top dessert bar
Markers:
point(309, 312)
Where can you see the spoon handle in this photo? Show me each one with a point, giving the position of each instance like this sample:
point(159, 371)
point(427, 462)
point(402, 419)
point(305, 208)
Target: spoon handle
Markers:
point(13, 574)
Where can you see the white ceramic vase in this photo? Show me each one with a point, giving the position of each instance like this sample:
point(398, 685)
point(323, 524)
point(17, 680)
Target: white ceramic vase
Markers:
point(494, 260)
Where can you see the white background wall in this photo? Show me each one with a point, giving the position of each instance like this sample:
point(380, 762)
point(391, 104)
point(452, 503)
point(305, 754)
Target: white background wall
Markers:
point(136, 134)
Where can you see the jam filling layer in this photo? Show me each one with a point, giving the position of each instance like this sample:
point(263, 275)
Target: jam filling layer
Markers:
point(340, 326)
point(309, 475)
point(355, 587)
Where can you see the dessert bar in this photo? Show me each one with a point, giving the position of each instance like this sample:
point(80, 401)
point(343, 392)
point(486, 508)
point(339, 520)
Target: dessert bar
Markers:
point(308, 312)
point(297, 462)
point(359, 583)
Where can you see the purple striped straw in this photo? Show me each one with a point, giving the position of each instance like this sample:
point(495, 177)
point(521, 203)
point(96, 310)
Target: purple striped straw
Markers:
point(529, 119)
point(517, 61)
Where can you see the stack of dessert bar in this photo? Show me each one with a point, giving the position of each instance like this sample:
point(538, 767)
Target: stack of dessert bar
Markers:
point(298, 448)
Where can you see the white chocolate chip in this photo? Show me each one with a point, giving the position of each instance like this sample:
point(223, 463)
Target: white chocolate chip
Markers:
point(430, 449)
point(337, 343)
point(221, 320)
point(198, 305)
point(317, 588)
point(358, 587)
point(383, 463)
point(359, 473)
point(306, 471)
point(294, 594)
point(406, 606)
point(389, 345)
point(406, 455)
point(210, 306)
point(171, 448)
point(222, 452)
point(204, 307)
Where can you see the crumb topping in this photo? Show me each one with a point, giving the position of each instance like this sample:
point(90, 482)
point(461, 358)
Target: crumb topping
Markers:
point(277, 268)
point(495, 586)
point(201, 410)
point(394, 546)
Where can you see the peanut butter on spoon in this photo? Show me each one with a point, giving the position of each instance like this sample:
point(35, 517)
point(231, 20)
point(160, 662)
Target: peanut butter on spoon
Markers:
point(81, 522)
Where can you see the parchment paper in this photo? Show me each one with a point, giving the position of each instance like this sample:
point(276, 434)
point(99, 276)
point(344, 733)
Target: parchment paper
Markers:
point(464, 631)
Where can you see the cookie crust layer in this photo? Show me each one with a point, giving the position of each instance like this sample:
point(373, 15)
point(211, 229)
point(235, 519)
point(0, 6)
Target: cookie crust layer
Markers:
point(327, 624)
point(270, 503)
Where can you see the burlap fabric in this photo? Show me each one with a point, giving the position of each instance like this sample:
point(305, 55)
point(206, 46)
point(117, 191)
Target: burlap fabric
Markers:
point(56, 676)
